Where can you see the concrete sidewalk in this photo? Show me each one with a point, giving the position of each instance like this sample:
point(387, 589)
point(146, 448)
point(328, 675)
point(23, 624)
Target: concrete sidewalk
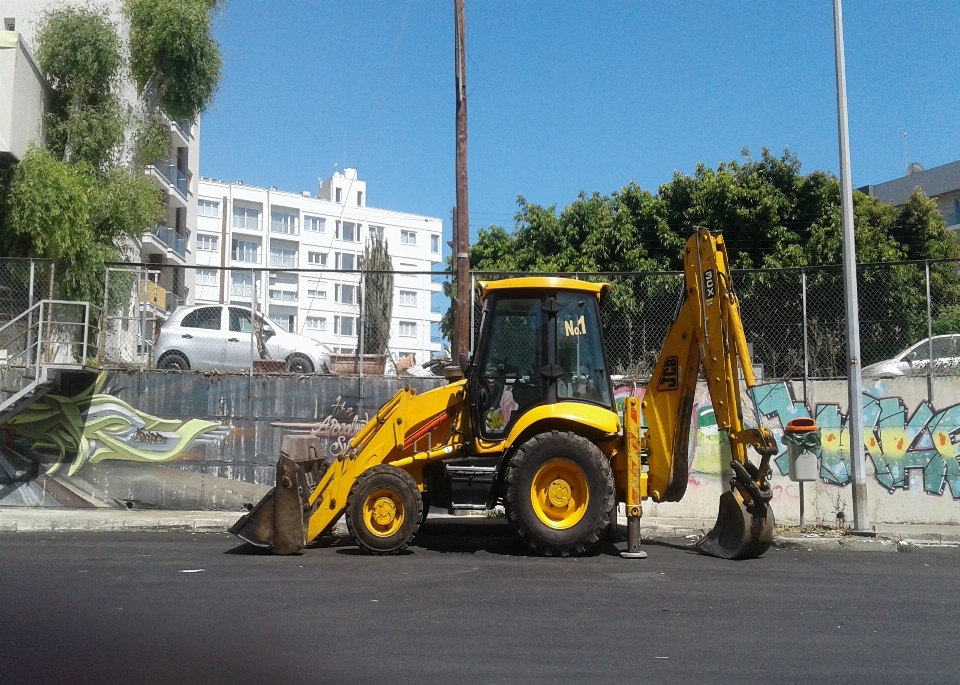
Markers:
point(889, 537)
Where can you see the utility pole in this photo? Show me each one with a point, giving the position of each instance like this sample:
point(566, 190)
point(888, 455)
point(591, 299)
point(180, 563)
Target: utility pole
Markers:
point(861, 520)
point(461, 231)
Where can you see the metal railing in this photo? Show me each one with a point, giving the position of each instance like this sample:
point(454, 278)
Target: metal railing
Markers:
point(60, 334)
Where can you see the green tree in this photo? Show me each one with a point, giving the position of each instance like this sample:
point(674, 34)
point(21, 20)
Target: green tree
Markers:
point(174, 59)
point(76, 201)
point(772, 216)
point(377, 296)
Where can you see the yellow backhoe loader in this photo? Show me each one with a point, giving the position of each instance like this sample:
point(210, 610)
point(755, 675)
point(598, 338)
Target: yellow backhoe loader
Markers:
point(531, 422)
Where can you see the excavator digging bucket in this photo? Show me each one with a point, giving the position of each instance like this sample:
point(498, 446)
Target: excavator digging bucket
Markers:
point(278, 520)
point(738, 533)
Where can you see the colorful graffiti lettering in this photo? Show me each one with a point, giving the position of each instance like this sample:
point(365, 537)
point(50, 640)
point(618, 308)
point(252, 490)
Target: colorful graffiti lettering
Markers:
point(928, 440)
point(96, 426)
point(339, 426)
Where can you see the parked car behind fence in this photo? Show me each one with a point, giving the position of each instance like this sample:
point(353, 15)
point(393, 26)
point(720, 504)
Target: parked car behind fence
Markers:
point(220, 337)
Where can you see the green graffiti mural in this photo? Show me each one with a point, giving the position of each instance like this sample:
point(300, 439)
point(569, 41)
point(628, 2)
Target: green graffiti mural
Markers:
point(894, 440)
point(95, 426)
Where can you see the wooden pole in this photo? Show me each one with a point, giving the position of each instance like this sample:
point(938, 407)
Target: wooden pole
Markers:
point(461, 246)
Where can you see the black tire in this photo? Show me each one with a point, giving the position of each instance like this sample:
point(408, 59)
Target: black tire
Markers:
point(173, 361)
point(549, 524)
point(299, 363)
point(388, 487)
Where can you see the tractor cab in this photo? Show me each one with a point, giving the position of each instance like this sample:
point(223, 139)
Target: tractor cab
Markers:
point(540, 343)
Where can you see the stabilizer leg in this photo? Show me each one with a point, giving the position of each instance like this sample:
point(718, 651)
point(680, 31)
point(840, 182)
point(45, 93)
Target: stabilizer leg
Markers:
point(633, 550)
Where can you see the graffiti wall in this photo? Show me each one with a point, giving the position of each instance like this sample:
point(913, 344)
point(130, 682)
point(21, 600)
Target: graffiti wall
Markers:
point(193, 441)
point(911, 444)
point(174, 441)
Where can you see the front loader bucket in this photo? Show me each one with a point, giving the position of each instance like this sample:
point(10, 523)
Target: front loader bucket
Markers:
point(278, 520)
point(738, 533)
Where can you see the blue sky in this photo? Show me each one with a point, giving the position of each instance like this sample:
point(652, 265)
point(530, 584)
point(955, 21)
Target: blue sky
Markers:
point(568, 96)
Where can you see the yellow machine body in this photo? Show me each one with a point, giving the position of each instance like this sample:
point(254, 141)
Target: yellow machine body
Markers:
point(413, 431)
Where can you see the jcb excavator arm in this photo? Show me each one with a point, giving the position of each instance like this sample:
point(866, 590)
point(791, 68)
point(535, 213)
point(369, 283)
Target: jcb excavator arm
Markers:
point(297, 511)
point(708, 334)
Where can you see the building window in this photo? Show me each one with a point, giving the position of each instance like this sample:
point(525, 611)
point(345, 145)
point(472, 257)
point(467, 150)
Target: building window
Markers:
point(350, 232)
point(339, 195)
point(359, 198)
point(241, 285)
point(316, 323)
point(435, 244)
point(314, 224)
point(287, 322)
point(345, 294)
point(347, 261)
point(281, 256)
point(408, 329)
point(208, 208)
point(285, 295)
point(344, 325)
point(348, 350)
point(408, 298)
point(317, 258)
point(246, 217)
point(206, 277)
point(376, 232)
point(317, 293)
point(246, 251)
point(408, 237)
point(407, 355)
point(208, 243)
point(283, 222)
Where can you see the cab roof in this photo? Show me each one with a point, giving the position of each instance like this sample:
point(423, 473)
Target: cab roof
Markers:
point(541, 283)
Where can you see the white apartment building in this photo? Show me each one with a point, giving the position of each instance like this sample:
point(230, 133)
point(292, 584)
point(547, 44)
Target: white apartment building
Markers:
point(172, 241)
point(294, 252)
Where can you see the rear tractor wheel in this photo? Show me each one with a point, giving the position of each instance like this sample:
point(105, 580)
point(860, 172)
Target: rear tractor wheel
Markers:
point(560, 493)
point(384, 510)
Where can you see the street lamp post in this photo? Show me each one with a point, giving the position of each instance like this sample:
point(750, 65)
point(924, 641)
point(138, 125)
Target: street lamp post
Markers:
point(861, 520)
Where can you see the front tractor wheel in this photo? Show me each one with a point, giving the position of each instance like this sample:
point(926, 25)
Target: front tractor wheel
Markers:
point(384, 510)
point(560, 493)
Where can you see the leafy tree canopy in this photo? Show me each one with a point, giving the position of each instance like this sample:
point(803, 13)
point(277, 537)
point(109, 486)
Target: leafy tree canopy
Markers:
point(174, 59)
point(771, 216)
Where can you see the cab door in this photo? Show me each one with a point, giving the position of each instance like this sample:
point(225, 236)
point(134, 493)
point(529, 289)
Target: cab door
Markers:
point(507, 378)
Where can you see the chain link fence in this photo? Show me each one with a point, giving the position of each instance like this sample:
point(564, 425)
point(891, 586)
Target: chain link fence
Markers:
point(23, 282)
point(794, 319)
point(310, 320)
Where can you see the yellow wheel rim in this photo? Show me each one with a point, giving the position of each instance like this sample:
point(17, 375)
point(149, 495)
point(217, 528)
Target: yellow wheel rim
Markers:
point(559, 494)
point(383, 512)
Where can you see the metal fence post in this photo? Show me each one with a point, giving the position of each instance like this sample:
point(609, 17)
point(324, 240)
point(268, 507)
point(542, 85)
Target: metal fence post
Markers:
point(926, 265)
point(253, 323)
point(142, 303)
point(30, 307)
point(104, 318)
point(806, 350)
point(361, 291)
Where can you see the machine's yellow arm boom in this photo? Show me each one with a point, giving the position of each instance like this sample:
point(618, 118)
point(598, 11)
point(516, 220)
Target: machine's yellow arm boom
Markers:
point(708, 334)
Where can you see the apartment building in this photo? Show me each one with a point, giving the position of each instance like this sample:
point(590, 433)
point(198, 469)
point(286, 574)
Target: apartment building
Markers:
point(298, 254)
point(172, 241)
point(942, 183)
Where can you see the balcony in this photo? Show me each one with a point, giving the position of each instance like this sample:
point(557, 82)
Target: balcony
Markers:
point(165, 241)
point(243, 290)
point(285, 261)
point(171, 180)
point(180, 129)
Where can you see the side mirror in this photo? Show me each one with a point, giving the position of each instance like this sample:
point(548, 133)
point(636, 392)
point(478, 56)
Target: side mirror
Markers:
point(268, 333)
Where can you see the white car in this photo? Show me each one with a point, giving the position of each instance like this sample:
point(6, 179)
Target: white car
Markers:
point(221, 337)
point(915, 360)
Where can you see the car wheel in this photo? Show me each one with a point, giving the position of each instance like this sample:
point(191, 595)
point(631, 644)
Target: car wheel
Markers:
point(298, 363)
point(173, 361)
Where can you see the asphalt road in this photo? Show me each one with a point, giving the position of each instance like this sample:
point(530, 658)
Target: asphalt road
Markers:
point(466, 605)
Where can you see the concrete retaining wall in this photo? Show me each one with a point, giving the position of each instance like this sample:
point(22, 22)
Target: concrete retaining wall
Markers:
point(193, 441)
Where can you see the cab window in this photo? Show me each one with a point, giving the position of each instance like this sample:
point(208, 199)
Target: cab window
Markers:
point(580, 351)
point(509, 368)
point(207, 317)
